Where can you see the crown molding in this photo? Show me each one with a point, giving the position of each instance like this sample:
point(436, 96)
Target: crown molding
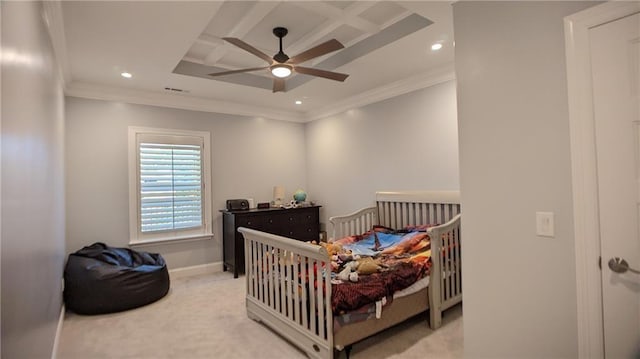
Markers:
point(415, 82)
point(171, 100)
point(52, 13)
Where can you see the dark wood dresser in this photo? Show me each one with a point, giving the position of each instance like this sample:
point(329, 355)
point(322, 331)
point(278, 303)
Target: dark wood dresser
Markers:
point(298, 223)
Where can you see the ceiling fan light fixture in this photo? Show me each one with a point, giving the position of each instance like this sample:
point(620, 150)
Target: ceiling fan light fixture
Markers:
point(281, 66)
point(281, 70)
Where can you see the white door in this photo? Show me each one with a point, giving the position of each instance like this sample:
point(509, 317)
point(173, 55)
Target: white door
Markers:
point(615, 59)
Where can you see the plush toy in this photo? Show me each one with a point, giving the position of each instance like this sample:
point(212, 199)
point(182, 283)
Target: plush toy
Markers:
point(332, 248)
point(334, 265)
point(344, 257)
point(368, 265)
point(344, 274)
point(353, 276)
point(349, 273)
point(353, 265)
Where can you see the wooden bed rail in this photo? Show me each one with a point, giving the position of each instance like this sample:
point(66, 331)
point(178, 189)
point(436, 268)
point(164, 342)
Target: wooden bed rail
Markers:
point(445, 283)
point(396, 211)
point(357, 222)
point(448, 197)
point(289, 289)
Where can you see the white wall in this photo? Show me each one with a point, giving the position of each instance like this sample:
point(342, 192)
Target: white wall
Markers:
point(403, 143)
point(250, 156)
point(519, 289)
point(409, 142)
point(32, 130)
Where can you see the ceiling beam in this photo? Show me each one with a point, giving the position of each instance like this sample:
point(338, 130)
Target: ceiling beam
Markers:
point(328, 27)
point(313, 37)
point(210, 40)
point(343, 16)
point(258, 12)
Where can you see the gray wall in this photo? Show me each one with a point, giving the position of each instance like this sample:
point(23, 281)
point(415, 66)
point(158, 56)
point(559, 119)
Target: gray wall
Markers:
point(519, 289)
point(409, 142)
point(250, 156)
point(33, 251)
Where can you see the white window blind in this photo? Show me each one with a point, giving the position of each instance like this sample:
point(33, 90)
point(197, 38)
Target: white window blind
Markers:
point(170, 186)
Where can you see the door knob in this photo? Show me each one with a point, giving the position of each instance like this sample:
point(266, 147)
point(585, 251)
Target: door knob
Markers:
point(619, 265)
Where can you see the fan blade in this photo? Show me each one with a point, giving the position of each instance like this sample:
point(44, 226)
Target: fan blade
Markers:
point(322, 49)
point(321, 73)
point(243, 45)
point(278, 85)
point(238, 71)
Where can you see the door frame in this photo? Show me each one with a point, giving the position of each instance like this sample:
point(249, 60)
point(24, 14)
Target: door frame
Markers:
point(584, 171)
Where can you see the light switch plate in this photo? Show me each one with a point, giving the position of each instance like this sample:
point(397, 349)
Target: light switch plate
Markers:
point(544, 224)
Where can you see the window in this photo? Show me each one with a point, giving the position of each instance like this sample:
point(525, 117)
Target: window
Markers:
point(169, 189)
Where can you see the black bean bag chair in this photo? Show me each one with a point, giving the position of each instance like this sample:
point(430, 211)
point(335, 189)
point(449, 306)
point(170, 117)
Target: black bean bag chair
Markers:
point(100, 279)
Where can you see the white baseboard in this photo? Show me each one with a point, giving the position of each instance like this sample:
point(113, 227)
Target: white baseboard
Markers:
point(56, 340)
point(208, 268)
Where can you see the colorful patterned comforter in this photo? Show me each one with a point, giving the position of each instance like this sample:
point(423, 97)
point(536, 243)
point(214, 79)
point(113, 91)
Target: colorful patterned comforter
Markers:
point(395, 260)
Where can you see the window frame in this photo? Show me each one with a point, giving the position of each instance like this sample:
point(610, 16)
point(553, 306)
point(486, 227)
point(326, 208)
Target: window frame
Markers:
point(136, 236)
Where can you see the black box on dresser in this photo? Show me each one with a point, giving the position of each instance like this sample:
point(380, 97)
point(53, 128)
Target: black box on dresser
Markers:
point(302, 223)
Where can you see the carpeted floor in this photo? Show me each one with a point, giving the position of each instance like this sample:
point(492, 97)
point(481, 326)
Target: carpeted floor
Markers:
point(204, 317)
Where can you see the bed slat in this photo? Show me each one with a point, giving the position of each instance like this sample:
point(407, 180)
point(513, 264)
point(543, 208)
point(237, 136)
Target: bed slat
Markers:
point(296, 291)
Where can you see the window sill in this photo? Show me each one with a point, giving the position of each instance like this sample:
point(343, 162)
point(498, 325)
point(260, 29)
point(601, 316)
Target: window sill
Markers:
point(170, 240)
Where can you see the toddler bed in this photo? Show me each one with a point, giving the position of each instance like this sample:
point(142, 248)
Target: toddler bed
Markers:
point(289, 284)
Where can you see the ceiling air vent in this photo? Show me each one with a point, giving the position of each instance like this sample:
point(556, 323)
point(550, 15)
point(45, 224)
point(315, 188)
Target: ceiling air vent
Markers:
point(176, 90)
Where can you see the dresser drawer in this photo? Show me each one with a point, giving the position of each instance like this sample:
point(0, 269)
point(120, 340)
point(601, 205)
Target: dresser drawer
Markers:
point(295, 223)
point(254, 222)
point(303, 217)
point(309, 217)
point(304, 233)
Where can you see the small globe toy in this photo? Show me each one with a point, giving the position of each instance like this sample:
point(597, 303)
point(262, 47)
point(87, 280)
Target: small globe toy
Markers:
point(300, 196)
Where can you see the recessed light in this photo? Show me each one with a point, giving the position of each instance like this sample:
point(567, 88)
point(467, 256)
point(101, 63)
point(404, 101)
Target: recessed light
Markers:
point(126, 75)
point(437, 46)
point(298, 102)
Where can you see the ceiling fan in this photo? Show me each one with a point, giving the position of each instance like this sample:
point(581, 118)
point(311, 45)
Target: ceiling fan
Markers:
point(281, 65)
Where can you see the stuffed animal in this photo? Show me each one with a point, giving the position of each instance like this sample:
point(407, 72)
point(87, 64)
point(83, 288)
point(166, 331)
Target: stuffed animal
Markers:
point(349, 273)
point(368, 265)
point(332, 248)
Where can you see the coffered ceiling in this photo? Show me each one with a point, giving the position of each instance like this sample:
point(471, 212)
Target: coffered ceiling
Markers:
point(171, 47)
